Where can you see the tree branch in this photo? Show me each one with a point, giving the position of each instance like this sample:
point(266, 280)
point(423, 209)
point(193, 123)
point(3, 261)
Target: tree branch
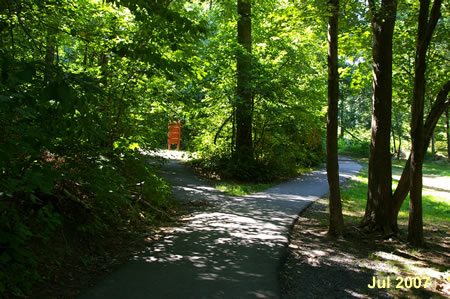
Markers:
point(221, 127)
point(434, 17)
point(441, 103)
point(26, 31)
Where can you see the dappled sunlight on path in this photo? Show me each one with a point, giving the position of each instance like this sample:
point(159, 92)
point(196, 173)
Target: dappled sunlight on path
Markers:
point(232, 248)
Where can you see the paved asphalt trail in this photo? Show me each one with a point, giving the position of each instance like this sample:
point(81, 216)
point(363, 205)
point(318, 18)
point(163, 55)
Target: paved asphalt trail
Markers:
point(232, 249)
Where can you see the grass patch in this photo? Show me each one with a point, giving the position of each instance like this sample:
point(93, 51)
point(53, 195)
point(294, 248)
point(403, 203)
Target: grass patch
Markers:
point(431, 168)
point(237, 189)
point(435, 204)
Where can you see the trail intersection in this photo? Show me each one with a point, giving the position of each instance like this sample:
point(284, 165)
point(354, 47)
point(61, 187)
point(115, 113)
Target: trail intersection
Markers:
point(230, 249)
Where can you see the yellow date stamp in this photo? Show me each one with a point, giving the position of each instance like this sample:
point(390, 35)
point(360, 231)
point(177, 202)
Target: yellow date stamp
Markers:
point(408, 282)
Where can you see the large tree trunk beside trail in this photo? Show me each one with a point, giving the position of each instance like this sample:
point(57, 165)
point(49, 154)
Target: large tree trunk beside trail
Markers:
point(378, 213)
point(336, 220)
point(424, 33)
point(244, 144)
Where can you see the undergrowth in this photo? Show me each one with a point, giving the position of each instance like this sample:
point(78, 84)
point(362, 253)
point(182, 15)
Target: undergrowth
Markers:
point(78, 200)
point(225, 169)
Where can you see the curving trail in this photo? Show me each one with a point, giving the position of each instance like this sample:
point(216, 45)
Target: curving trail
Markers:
point(231, 249)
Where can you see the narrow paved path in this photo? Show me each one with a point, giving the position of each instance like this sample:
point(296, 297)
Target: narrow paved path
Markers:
point(233, 249)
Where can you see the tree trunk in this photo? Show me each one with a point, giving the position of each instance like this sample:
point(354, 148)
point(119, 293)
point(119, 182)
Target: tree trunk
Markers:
point(433, 145)
point(424, 33)
point(49, 57)
point(85, 58)
point(244, 144)
point(448, 133)
point(233, 132)
point(415, 224)
point(399, 151)
point(341, 111)
point(393, 139)
point(378, 213)
point(336, 226)
point(103, 63)
point(440, 105)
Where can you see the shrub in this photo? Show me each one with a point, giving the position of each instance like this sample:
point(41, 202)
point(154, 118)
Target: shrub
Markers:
point(354, 147)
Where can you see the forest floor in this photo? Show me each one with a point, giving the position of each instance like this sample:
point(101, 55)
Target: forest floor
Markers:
point(317, 265)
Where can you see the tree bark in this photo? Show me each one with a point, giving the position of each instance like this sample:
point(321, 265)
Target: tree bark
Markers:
point(85, 58)
point(341, 111)
point(336, 221)
point(394, 151)
point(433, 140)
point(103, 64)
point(448, 134)
point(49, 57)
point(424, 33)
point(379, 199)
point(244, 143)
point(433, 146)
point(439, 106)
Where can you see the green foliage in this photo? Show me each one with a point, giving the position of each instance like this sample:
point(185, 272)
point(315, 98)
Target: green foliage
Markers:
point(17, 263)
point(359, 148)
point(288, 94)
point(78, 102)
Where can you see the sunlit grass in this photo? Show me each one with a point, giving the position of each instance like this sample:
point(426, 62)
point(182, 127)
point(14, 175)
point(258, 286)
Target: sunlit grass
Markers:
point(438, 168)
point(435, 204)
